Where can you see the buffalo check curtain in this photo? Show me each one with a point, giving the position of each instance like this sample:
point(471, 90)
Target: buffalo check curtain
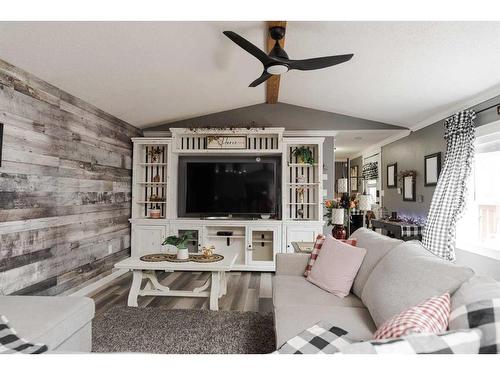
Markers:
point(448, 201)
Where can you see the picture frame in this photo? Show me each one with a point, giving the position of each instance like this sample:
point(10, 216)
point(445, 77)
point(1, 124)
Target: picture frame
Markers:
point(392, 175)
point(1, 142)
point(353, 173)
point(409, 193)
point(432, 169)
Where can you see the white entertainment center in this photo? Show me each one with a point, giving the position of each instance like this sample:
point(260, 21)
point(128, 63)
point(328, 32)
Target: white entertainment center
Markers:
point(155, 193)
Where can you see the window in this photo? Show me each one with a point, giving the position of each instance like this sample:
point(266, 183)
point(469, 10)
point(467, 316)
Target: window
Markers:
point(371, 189)
point(479, 229)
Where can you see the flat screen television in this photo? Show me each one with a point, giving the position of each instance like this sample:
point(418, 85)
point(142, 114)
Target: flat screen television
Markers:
point(223, 186)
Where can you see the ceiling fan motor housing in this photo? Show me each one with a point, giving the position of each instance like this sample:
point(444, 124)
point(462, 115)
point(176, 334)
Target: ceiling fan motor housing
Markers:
point(277, 32)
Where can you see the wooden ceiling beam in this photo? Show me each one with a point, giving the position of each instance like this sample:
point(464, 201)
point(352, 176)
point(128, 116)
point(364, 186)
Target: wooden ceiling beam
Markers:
point(273, 83)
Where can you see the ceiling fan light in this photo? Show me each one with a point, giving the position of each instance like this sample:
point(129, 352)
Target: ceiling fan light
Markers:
point(277, 69)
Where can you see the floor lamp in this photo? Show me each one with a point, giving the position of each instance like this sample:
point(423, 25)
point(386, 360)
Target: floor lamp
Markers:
point(342, 188)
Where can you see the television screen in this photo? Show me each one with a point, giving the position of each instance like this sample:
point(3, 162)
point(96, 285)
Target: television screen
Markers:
point(232, 185)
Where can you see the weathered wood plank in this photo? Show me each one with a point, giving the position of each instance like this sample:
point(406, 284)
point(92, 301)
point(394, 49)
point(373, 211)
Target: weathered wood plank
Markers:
point(30, 79)
point(60, 135)
point(24, 242)
point(41, 144)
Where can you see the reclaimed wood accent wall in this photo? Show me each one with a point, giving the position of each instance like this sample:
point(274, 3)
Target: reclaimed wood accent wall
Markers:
point(65, 187)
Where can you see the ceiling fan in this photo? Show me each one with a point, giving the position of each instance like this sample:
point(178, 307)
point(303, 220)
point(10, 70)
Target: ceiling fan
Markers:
point(277, 62)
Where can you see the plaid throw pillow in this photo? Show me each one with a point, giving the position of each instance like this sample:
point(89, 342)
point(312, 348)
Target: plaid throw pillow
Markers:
point(322, 338)
point(10, 342)
point(430, 316)
point(451, 342)
point(320, 239)
point(483, 315)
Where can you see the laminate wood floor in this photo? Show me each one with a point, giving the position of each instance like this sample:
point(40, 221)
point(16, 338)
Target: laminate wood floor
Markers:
point(246, 291)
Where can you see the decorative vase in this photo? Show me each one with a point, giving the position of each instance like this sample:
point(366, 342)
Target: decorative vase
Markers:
point(182, 254)
point(339, 232)
point(155, 213)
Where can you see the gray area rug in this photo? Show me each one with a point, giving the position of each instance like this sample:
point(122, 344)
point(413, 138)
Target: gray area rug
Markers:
point(157, 330)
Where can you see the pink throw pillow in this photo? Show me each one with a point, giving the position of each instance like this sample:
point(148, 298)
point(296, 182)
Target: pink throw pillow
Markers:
point(430, 316)
point(336, 266)
point(316, 249)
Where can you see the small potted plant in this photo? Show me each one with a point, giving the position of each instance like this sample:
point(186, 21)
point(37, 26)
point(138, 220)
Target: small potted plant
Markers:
point(180, 242)
point(304, 155)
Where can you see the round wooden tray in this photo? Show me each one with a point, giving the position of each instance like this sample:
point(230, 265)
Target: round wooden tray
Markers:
point(198, 258)
point(203, 259)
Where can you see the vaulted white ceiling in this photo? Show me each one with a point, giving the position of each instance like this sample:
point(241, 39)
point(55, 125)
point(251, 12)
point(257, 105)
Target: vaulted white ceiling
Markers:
point(148, 73)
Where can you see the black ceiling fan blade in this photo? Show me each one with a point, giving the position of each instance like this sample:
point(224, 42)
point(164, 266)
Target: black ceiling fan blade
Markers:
point(264, 77)
point(247, 46)
point(319, 62)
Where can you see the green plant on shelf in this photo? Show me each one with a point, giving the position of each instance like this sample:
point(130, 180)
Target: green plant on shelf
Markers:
point(179, 241)
point(304, 155)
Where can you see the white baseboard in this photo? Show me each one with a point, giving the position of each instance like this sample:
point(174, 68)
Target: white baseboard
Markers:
point(98, 284)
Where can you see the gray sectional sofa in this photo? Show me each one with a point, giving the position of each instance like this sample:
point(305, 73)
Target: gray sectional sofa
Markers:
point(64, 324)
point(394, 275)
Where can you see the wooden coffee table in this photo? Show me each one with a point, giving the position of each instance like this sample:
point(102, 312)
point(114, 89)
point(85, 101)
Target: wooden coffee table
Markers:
point(214, 288)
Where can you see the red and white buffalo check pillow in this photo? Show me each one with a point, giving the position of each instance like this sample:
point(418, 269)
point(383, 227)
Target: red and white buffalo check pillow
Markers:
point(430, 316)
point(316, 249)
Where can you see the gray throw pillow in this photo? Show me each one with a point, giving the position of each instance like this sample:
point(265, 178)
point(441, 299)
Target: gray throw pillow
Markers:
point(377, 246)
point(405, 277)
point(478, 288)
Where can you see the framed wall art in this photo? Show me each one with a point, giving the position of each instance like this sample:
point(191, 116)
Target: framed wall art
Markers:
point(432, 169)
point(354, 178)
point(392, 175)
point(409, 188)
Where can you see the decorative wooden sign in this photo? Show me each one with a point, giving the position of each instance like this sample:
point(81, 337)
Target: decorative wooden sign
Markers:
point(226, 142)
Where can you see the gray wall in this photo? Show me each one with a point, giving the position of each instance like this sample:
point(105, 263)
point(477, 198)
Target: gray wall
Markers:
point(409, 153)
point(65, 187)
point(292, 117)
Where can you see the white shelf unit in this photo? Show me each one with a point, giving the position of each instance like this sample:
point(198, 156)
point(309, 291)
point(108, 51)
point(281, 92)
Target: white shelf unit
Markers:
point(255, 241)
point(150, 176)
point(302, 183)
